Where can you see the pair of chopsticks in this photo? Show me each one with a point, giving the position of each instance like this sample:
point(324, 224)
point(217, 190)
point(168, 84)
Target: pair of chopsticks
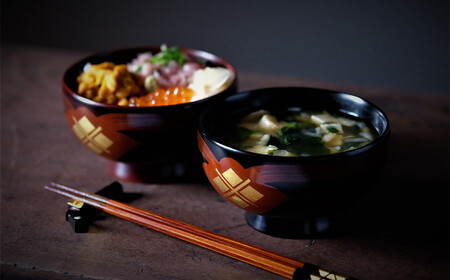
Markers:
point(259, 257)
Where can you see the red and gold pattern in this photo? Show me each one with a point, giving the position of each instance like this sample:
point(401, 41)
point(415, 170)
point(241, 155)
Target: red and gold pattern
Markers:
point(238, 185)
point(97, 134)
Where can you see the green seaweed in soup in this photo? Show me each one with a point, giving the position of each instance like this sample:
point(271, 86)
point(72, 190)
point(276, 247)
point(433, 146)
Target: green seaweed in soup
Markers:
point(299, 133)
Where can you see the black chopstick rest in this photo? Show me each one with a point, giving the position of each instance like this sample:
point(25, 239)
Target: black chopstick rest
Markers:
point(79, 215)
point(78, 221)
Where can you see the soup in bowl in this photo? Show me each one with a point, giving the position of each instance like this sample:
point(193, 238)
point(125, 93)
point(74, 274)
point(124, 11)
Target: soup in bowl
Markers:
point(293, 158)
point(139, 107)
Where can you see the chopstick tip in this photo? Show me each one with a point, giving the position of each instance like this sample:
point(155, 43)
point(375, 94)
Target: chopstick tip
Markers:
point(47, 187)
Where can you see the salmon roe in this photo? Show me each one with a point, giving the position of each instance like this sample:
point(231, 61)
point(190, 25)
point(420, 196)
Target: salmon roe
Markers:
point(163, 97)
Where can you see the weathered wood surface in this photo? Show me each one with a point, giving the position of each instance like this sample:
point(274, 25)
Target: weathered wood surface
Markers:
point(400, 232)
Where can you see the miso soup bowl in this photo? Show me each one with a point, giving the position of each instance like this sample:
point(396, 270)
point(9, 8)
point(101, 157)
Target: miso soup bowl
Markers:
point(292, 197)
point(142, 144)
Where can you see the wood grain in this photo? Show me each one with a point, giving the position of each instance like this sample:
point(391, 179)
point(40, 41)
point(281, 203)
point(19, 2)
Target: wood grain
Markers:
point(233, 248)
point(399, 232)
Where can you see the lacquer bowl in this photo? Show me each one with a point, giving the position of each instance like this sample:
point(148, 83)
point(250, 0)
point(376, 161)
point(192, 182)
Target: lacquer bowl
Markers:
point(292, 197)
point(142, 144)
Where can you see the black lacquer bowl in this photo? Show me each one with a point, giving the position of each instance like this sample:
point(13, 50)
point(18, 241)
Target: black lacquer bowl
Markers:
point(142, 144)
point(292, 197)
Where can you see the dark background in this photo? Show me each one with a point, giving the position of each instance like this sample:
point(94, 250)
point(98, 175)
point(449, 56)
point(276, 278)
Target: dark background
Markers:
point(400, 45)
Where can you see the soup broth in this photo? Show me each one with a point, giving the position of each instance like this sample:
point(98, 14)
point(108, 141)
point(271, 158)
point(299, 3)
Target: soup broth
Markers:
point(294, 132)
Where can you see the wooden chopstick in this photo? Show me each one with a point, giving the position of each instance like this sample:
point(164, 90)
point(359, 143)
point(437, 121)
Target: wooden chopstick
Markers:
point(259, 257)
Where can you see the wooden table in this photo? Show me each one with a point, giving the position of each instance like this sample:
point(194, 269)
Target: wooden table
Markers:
point(402, 232)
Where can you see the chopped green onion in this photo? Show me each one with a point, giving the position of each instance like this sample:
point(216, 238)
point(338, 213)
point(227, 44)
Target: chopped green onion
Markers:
point(272, 149)
point(169, 54)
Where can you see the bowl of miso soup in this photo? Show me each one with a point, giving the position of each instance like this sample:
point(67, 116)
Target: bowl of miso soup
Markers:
point(295, 159)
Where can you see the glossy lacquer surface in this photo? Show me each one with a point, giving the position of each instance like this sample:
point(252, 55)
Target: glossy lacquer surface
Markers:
point(146, 144)
point(399, 231)
point(292, 196)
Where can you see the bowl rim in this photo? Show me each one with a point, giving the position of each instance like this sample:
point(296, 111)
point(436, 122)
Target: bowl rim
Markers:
point(298, 159)
point(196, 53)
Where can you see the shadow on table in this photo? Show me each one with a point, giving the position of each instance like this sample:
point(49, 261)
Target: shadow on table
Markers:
point(411, 200)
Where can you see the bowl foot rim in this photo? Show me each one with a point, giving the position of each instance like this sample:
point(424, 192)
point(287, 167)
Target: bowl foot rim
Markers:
point(150, 172)
point(292, 228)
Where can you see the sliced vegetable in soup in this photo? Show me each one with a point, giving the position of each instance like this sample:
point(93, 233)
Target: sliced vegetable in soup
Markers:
point(299, 133)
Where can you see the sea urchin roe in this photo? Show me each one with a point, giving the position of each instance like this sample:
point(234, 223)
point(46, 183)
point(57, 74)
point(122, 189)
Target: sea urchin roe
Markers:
point(108, 83)
point(170, 76)
point(163, 97)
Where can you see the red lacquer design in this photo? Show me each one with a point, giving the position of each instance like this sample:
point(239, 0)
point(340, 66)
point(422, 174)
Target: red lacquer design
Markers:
point(98, 134)
point(243, 187)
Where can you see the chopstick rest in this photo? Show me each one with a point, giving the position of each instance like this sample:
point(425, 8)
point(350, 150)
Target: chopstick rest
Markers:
point(80, 215)
point(256, 256)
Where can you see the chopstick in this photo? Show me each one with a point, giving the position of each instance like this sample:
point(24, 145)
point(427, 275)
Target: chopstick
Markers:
point(259, 257)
